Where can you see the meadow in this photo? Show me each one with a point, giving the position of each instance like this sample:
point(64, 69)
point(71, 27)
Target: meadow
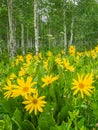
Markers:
point(50, 91)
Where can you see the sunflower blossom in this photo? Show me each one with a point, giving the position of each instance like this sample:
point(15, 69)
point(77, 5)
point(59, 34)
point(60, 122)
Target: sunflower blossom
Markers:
point(83, 84)
point(29, 57)
point(24, 88)
point(72, 50)
point(67, 65)
point(8, 89)
point(49, 79)
point(12, 76)
point(59, 62)
point(22, 72)
point(34, 103)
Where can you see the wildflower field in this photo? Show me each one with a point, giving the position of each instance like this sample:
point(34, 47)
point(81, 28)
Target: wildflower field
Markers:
point(50, 91)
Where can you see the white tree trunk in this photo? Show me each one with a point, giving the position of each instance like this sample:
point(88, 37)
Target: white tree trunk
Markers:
point(27, 39)
point(12, 42)
point(71, 32)
point(22, 39)
point(65, 33)
point(36, 25)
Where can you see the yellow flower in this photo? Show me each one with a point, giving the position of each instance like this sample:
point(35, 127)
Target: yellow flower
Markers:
point(36, 58)
point(62, 52)
point(93, 54)
point(9, 89)
point(49, 79)
point(77, 59)
point(45, 64)
point(28, 57)
point(71, 68)
point(26, 65)
point(24, 88)
point(83, 84)
point(40, 55)
point(20, 58)
point(67, 65)
point(12, 76)
point(96, 49)
point(59, 62)
point(49, 53)
point(34, 103)
point(72, 50)
point(21, 72)
point(79, 54)
point(87, 53)
point(17, 62)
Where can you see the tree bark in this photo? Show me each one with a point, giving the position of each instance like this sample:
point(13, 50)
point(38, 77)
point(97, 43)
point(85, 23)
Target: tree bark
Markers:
point(12, 41)
point(71, 32)
point(36, 25)
point(27, 38)
point(65, 33)
point(22, 39)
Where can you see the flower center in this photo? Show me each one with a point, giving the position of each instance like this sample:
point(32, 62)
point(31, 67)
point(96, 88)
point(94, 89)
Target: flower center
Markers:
point(35, 101)
point(25, 89)
point(81, 85)
point(48, 81)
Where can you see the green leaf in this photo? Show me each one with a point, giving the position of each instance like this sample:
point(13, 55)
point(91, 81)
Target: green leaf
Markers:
point(81, 123)
point(8, 106)
point(27, 125)
point(62, 114)
point(96, 95)
point(61, 127)
point(8, 123)
point(17, 117)
point(83, 128)
point(45, 121)
point(96, 113)
point(2, 123)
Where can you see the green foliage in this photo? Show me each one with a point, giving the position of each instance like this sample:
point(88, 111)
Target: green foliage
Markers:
point(8, 123)
point(45, 121)
point(17, 118)
point(9, 106)
point(27, 125)
point(63, 110)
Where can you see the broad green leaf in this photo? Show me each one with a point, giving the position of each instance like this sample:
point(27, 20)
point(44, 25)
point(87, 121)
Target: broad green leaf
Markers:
point(8, 106)
point(8, 123)
point(45, 121)
point(27, 125)
point(17, 117)
point(62, 114)
point(2, 123)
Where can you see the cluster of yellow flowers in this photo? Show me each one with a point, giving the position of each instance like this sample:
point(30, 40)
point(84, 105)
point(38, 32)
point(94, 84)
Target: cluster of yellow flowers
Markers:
point(26, 90)
point(24, 79)
point(24, 85)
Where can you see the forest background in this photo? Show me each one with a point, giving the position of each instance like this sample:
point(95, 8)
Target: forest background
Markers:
point(27, 25)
